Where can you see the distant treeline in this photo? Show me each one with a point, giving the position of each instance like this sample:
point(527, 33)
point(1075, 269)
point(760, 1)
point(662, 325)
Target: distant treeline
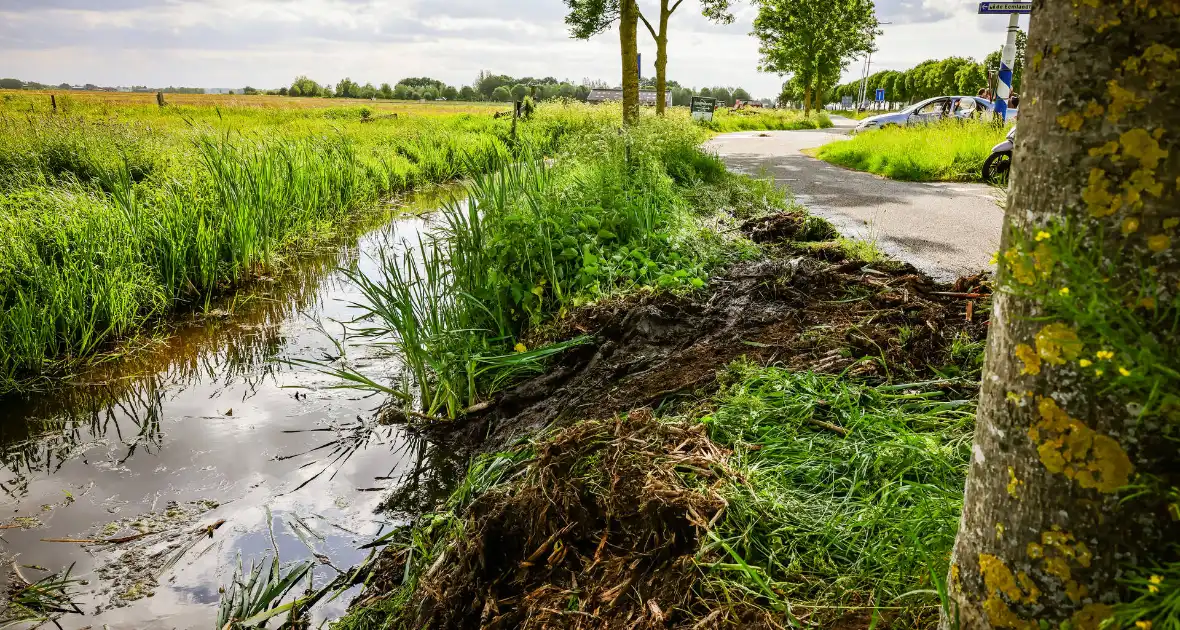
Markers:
point(487, 87)
point(934, 77)
point(17, 84)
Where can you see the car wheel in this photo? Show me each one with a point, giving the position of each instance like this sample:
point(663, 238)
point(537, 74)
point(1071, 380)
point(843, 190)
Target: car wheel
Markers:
point(997, 167)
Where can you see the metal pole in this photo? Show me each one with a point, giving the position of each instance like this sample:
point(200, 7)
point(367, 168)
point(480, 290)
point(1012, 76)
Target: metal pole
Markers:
point(864, 81)
point(1007, 60)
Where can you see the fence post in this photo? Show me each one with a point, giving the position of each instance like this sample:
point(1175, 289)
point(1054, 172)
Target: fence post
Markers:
point(53, 101)
point(160, 99)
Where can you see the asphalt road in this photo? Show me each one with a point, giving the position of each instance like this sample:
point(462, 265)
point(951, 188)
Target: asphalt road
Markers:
point(945, 229)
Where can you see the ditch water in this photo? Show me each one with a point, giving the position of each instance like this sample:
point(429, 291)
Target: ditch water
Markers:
point(214, 424)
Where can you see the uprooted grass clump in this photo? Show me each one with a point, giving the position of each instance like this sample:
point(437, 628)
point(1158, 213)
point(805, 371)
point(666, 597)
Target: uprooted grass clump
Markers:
point(787, 497)
point(598, 524)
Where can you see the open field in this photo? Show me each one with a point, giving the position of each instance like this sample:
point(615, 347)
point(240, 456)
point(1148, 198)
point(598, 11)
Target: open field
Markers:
point(948, 151)
point(117, 214)
point(66, 100)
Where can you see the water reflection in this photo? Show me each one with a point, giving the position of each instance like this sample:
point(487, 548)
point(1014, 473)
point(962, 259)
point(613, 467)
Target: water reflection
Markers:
point(215, 411)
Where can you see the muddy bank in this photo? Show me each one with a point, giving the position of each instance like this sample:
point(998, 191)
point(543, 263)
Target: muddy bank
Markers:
point(605, 523)
point(805, 307)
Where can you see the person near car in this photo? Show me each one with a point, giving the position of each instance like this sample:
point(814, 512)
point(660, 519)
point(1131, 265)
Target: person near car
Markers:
point(1014, 101)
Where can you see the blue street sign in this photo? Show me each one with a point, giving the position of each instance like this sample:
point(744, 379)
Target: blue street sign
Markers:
point(994, 8)
point(880, 95)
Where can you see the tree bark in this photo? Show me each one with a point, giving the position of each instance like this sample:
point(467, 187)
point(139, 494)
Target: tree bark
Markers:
point(806, 101)
point(629, 46)
point(1070, 500)
point(662, 58)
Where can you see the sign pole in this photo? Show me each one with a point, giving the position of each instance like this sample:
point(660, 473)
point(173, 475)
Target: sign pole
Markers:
point(1008, 57)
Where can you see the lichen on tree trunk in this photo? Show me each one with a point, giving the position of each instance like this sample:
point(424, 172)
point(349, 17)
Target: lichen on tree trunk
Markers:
point(1071, 498)
point(628, 44)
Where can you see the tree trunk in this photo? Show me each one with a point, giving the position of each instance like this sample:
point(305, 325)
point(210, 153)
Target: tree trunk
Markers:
point(662, 58)
point(806, 101)
point(628, 31)
point(1070, 501)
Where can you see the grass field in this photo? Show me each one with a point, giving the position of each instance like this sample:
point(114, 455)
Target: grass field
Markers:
point(116, 214)
point(949, 151)
point(725, 121)
point(39, 100)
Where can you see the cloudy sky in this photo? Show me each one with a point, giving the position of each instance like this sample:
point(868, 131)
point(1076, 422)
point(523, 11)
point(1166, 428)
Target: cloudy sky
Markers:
point(266, 43)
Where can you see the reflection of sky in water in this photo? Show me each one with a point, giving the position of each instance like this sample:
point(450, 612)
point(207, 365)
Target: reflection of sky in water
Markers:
point(212, 413)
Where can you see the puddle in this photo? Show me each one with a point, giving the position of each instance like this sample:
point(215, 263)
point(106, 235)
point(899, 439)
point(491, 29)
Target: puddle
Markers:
point(216, 416)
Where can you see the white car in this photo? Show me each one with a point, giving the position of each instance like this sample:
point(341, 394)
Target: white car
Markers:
point(933, 110)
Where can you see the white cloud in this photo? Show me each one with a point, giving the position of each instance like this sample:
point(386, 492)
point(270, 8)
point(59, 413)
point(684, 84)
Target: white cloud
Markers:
point(231, 43)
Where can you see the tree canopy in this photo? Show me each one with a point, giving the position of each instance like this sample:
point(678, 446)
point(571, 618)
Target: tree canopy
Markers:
point(813, 40)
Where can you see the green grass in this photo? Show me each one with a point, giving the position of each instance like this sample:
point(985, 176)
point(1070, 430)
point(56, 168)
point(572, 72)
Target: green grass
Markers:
point(766, 119)
point(949, 151)
point(614, 213)
point(831, 520)
point(115, 216)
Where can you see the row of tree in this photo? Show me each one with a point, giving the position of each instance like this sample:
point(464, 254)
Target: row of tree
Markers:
point(954, 75)
point(489, 87)
point(17, 84)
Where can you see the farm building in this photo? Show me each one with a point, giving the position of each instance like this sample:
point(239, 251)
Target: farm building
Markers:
point(646, 97)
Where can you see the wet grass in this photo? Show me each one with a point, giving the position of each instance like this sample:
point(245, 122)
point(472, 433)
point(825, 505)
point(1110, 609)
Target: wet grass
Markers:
point(948, 151)
point(39, 602)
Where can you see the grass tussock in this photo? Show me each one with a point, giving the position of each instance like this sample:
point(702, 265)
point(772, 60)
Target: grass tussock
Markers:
point(948, 151)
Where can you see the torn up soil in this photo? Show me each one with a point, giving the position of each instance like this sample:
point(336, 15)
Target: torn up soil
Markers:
point(604, 527)
point(799, 309)
point(601, 532)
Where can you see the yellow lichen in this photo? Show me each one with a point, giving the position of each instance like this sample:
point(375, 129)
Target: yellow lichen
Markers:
point(1067, 446)
point(999, 531)
point(1059, 567)
point(1032, 362)
point(1170, 224)
point(1035, 551)
point(1094, 110)
point(1122, 101)
point(1140, 144)
point(1159, 242)
point(1091, 616)
point(1130, 225)
point(1072, 121)
point(1098, 197)
point(1075, 592)
point(1013, 483)
point(1058, 343)
point(1000, 583)
point(1110, 148)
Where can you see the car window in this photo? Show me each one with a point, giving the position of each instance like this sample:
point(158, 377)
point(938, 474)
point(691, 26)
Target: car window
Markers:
point(931, 108)
point(966, 106)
